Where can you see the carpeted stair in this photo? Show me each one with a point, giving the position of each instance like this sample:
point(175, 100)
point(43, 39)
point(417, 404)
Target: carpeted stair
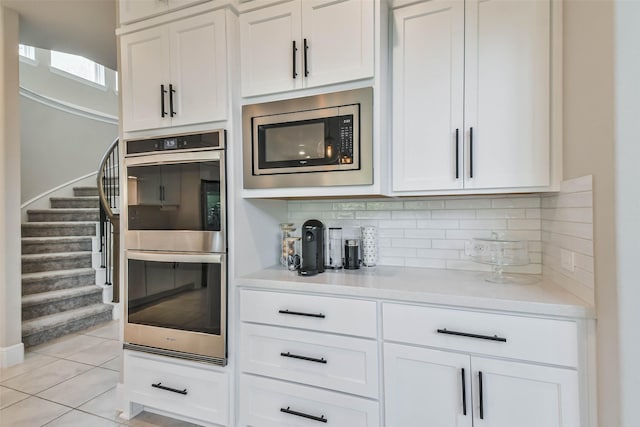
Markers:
point(59, 291)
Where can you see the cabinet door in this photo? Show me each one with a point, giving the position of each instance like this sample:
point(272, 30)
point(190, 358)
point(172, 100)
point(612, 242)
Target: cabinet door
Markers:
point(507, 93)
point(340, 40)
point(198, 69)
point(144, 56)
point(428, 80)
point(269, 62)
point(426, 387)
point(523, 395)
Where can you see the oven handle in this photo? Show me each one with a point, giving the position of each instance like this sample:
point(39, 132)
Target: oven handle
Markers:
point(173, 157)
point(176, 257)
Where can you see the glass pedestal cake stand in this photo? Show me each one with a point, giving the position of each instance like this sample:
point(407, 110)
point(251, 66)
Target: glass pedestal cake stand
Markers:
point(501, 253)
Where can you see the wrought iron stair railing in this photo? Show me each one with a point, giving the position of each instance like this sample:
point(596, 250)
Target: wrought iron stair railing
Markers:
point(109, 195)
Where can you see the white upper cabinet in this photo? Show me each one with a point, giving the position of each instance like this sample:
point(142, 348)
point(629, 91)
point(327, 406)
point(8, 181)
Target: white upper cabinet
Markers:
point(472, 103)
point(428, 84)
point(306, 43)
point(135, 10)
point(507, 93)
point(175, 74)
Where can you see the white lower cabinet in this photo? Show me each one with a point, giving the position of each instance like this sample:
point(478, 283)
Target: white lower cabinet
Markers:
point(271, 403)
point(454, 367)
point(426, 387)
point(194, 391)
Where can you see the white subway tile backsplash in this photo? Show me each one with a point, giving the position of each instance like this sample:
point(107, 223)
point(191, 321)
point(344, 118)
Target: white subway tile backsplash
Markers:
point(424, 204)
point(516, 202)
point(467, 234)
point(388, 206)
point(391, 261)
point(373, 215)
point(467, 203)
point(524, 224)
point(390, 232)
point(397, 252)
point(453, 214)
point(500, 213)
point(438, 224)
point(411, 214)
point(350, 206)
point(567, 224)
point(533, 213)
point(402, 223)
point(425, 233)
point(448, 244)
point(438, 253)
point(483, 224)
point(410, 243)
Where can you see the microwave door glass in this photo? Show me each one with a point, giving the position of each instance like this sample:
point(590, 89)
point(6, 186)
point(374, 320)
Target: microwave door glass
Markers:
point(295, 143)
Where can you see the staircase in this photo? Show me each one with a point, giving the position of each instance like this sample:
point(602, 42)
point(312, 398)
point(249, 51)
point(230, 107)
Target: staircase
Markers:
point(59, 291)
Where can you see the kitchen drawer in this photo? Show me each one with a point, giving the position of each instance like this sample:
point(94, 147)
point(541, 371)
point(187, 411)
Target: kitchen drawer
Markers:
point(271, 403)
point(330, 361)
point(326, 314)
point(527, 338)
point(198, 392)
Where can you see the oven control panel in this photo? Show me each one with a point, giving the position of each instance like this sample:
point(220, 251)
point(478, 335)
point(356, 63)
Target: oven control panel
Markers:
point(178, 142)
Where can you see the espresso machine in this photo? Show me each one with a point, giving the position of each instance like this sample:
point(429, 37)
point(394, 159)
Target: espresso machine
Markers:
point(312, 248)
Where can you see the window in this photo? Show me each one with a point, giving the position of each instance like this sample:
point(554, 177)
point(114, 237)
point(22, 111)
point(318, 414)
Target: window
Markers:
point(78, 66)
point(27, 51)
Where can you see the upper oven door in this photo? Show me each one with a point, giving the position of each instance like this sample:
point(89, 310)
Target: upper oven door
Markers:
point(306, 141)
point(176, 202)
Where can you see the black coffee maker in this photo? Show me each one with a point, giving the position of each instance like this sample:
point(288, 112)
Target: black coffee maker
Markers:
point(312, 248)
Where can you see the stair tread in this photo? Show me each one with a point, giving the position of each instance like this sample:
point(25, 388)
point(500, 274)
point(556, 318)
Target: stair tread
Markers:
point(75, 198)
point(57, 273)
point(52, 321)
point(58, 223)
point(56, 255)
point(52, 239)
point(60, 294)
point(62, 210)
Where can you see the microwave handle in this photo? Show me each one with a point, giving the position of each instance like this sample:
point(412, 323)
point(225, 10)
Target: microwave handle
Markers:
point(213, 258)
point(294, 49)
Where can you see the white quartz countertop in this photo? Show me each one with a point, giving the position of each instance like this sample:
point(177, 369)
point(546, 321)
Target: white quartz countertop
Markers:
point(430, 286)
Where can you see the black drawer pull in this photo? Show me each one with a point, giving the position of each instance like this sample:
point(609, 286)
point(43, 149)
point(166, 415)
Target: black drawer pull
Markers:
point(287, 410)
point(298, 313)
point(464, 334)
point(310, 359)
point(175, 390)
point(481, 390)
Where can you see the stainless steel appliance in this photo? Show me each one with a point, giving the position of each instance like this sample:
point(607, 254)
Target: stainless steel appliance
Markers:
point(176, 265)
point(321, 140)
point(176, 193)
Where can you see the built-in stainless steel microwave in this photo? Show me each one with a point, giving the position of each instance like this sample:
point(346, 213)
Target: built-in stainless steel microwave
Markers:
point(321, 140)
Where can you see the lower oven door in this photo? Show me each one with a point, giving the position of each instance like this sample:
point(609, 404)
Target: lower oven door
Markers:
point(176, 303)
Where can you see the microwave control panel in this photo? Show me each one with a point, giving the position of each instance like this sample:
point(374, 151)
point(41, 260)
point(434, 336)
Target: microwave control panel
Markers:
point(346, 139)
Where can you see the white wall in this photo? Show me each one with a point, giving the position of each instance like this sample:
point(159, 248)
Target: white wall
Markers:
point(37, 76)
point(66, 125)
point(627, 62)
point(11, 348)
point(588, 79)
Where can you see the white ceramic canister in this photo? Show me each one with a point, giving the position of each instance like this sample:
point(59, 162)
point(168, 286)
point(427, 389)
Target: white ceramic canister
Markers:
point(369, 245)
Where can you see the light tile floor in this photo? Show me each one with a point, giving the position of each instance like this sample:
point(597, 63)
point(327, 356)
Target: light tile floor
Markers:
point(70, 382)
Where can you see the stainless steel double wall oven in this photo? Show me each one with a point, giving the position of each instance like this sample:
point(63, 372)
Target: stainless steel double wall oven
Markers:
point(175, 240)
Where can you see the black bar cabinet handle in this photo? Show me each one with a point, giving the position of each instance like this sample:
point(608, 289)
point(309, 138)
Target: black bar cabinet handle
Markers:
point(310, 359)
point(470, 152)
point(162, 92)
point(171, 92)
point(306, 63)
point(298, 313)
point(481, 402)
point(464, 393)
point(294, 49)
point(174, 390)
point(457, 154)
point(465, 334)
point(287, 410)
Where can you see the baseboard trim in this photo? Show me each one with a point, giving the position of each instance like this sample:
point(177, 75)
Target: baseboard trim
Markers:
point(12, 355)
